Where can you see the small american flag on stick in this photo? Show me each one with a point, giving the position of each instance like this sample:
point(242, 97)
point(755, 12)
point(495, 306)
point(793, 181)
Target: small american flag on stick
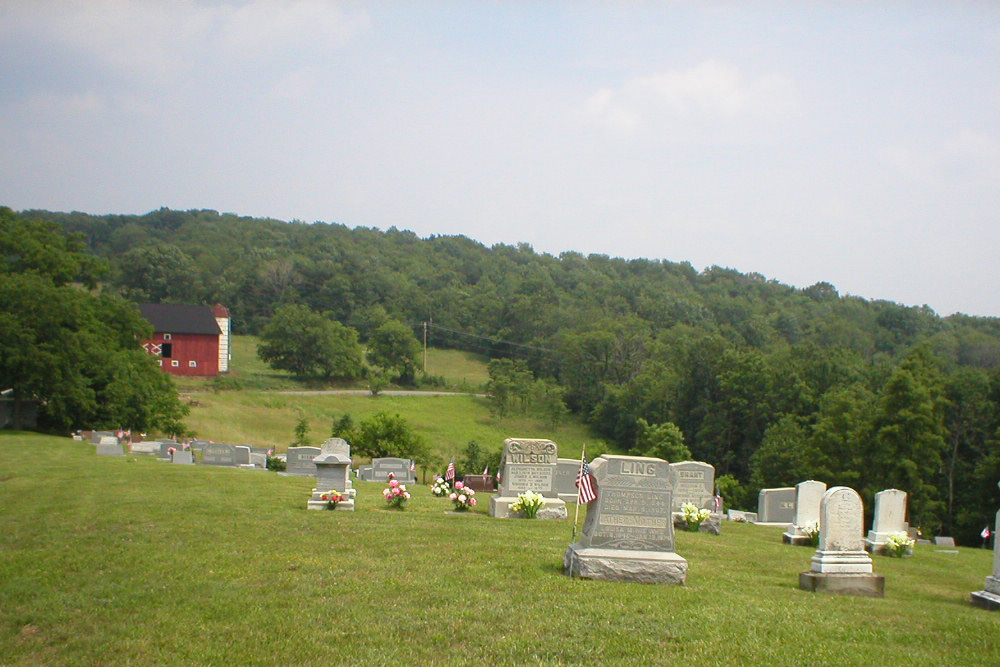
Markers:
point(449, 474)
point(586, 483)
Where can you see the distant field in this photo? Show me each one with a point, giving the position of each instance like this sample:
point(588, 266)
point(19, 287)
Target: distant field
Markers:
point(129, 561)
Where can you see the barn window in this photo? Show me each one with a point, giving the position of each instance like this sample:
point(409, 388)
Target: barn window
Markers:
point(175, 363)
point(167, 350)
point(193, 364)
point(166, 337)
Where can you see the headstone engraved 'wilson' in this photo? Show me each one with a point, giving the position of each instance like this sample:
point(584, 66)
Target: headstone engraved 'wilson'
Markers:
point(841, 565)
point(776, 505)
point(808, 496)
point(628, 534)
point(890, 517)
point(333, 465)
point(299, 461)
point(528, 465)
point(989, 597)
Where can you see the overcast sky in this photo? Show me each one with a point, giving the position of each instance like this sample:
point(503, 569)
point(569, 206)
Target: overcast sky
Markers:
point(856, 143)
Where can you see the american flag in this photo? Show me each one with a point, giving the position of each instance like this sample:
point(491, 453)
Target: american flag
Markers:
point(586, 483)
point(986, 533)
point(717, 502)
point(413, 465)
point(486, 471)
point(449, 474)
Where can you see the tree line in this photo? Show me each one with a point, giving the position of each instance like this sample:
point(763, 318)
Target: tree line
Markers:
point(770, 383)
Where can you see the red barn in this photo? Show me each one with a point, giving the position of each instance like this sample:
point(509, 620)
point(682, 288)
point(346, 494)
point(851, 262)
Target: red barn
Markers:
point(185, 338)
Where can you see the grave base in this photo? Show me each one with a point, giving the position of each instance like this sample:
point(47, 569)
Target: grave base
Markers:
point(864, 584)
point(986, 600)
point(342, 506)
point(879, 548)
point(552, 509)
point(644, 567)
point(712, 525)
point(796, 538)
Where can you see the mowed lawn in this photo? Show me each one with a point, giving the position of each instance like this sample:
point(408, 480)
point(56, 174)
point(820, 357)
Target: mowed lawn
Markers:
point(131, 561)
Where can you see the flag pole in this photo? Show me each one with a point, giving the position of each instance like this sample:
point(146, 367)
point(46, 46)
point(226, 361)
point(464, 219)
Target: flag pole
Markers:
point(576, 515)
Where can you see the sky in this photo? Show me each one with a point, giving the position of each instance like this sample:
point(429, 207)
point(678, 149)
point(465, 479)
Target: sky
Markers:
point(854, 143)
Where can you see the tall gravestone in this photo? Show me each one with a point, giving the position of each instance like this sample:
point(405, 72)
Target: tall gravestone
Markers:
point(528, 465)
point(890, 517)
point(776, 505)
point(808, 497)
point(629, 531)
point(333, 465)
point(841, 565)
point(299, 461)
point(989, 597)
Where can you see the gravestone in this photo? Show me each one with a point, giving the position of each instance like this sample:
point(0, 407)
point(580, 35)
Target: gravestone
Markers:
point(109, 446)
point(480, 483)
point(365, 473)
point(165, 446)
point(528, 465)
point(299, 461)
point(890, 517)
point(218, 454)
point(696, 486)
point(400, 468)
point(258, 460)
point(199, 445)
point(841, 565)
point(564, 479)
point(808, 496)
point(148, 447)
point(776, 505)
point(628, 534)
point(944, 541)
point(184, 457)
point(96, 436)
point(333, 474)
point(989, 597)
point(740, 515)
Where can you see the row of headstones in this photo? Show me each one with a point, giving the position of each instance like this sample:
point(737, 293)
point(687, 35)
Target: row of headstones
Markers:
point(212, 453)
point(301, 462)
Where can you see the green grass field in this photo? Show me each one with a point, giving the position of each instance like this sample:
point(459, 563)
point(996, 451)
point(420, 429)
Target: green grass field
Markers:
point(130, 561)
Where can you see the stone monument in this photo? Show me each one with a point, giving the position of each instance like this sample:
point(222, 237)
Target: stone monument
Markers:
point(696, 486)
point(890, 517)
point(333, 467)
point(528, 465)
point(841, 565)
point(989, 597)
point(776, 505)
point(400, 469)
point(299, 461)
point(808, 496)
point(628, 534)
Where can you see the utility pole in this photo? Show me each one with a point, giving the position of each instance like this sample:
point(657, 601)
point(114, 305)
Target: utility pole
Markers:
point(425, 347)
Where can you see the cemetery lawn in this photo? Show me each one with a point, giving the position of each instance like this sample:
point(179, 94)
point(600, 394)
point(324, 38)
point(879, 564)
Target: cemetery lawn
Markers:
point(131, 561)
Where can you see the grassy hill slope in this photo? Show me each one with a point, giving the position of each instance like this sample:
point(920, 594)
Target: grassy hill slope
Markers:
point(128, 561)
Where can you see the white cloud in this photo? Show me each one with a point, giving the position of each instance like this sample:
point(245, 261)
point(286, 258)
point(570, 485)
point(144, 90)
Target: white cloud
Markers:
point(712, 91)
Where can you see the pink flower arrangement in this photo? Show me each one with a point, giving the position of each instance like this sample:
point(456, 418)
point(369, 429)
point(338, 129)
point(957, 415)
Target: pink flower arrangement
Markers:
point(395, 494)
point(463, 497)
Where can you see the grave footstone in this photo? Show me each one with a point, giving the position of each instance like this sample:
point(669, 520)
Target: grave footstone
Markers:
point(628, 534)
point(400, 468)
point(841, 565)
point(890, 517)
point(299, 461)
point(696, 486)
point(989, 597)
point(776, 505)
point(528, 465)
point(808, 496)
point(333, 474)
point(740, 515)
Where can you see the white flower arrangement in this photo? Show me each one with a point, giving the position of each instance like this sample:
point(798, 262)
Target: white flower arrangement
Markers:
point(440, 487)
point(812, 532)
point(528, 503)
point(897, 544)
point(693, 516)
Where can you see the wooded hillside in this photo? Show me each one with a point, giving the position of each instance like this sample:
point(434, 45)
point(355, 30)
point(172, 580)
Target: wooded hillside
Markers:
point(770, 383)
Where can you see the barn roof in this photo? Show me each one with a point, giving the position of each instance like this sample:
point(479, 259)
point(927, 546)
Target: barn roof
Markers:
point(174, 318)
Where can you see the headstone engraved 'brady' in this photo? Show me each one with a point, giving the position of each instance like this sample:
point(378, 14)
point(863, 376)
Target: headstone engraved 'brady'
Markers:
point(696, 486)
point(628, 534)
point(890, 517)
point(776, 505)
point(333, 467)
point(989, 597)
point(841, 565)
point(564, 479)
point(808, 496)
point(218, 454)
point(528, 465)
point(299, 461)
point(400, 468)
